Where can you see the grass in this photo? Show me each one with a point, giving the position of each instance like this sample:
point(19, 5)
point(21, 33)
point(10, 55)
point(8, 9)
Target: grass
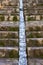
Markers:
point(9, 43)
point(30, 18)
point(40, 4)
point(12, 43)
point(35, 28)
point(35, 43)
point(30, 35)
point(13, 54)
point(2, 44)
point(36, 53)
point(15, 19)
point(35, 35)
point(8, 35)
point(9, 54)
point(9, 28)
point(2, 18)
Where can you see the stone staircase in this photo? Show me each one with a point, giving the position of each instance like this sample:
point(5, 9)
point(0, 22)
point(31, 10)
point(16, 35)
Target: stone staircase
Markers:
point(21, 42)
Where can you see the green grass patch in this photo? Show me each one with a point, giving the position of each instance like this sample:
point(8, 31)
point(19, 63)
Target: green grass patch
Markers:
point(9, 28)
point(15, 19)
point(2, 18)
point(34, 43)
point(8, 43)
point(30, 18)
